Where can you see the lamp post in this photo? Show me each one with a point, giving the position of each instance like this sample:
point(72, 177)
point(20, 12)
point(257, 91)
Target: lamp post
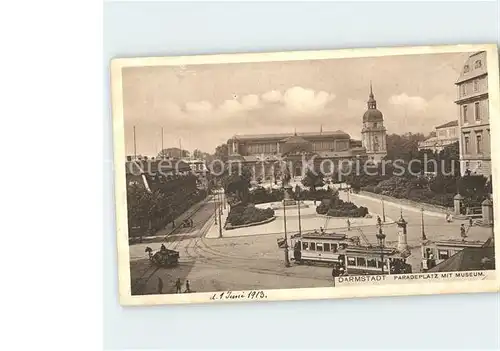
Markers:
point(215, 207)
point(381, 243)
point(220, 221)
point(287, 260)
point(424, 237)
point(383, 209)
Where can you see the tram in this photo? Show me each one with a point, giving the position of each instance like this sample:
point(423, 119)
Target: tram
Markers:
point(339, 251)
point(435, 252)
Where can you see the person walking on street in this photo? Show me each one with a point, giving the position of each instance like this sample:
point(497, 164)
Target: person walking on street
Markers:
point(470, 222)
point(187, 287)
point(160, 286)
point(178, 286)
point(348, 224)
point(463, 234)
point(379, 221)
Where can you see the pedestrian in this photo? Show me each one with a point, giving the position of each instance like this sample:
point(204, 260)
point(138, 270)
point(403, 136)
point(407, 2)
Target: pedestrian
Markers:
point(470, 222)
point(463, 234)
point(160, 286)
point(187, 287)
point(178, 286)
point(348, 224)
point(379, 221)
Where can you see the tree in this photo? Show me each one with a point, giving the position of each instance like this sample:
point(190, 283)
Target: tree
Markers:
point(236, 183)
point(403, 147)
point(312, 180)
point(198, 154)
point(174, 152)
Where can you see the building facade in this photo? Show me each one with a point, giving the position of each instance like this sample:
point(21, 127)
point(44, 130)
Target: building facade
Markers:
point(473, 112)
point(265, 153)
point(446, 134)
point(374, 133)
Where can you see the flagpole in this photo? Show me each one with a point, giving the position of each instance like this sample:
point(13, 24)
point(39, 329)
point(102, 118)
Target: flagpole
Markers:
point(162, 156)
point(135, 147)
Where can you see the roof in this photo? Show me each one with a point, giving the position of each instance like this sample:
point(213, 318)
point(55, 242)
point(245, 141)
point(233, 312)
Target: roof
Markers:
point(468, 259)
point(280, 136)
point(373, 115)
point(334, 236)
point(295, 139)
point(453, 123)
point(470, 70)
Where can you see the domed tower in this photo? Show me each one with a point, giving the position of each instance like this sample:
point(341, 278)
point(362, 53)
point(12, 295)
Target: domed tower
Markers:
point(374, 132)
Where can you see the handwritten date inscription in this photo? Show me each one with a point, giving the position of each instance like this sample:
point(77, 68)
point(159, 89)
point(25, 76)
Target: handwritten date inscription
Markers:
point(243, 295)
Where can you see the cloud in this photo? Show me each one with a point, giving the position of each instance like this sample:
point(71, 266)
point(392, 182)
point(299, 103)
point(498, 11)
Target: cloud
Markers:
point(300, 100)
point(200, 106)
point(272, 96)
point(413, 102)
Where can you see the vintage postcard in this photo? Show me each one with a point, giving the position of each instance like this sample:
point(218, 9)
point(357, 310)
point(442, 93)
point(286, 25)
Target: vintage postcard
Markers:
point(306, 175)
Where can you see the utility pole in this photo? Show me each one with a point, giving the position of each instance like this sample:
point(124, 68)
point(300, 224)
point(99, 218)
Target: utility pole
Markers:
point(135, 147)
point(162, 156)
point(424, 237)
point(220, 221)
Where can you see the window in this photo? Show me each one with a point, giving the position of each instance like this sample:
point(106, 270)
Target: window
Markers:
point(479, 143)
point(351, 261)
point(371, 262)
point(464, 89)
point(379, 264)
point(305, 246)
point(476, 85)
point(334, 247)
point(375, 125)
point(313, 246)
point(477, 111)
point(360, 262)
point(326, 247)
point(443, 254)
point(477, 64)
point(466, 144)
point(319, 247)
point(466, 68)
point(465, 114)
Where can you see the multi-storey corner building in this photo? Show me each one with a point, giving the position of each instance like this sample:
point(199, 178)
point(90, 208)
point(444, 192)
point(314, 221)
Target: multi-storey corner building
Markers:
point(474, 125)
point(446, 134)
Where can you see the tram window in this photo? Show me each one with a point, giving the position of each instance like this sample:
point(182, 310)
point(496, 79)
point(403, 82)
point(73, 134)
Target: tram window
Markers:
point(334, 247)
point(443, 254)
point(326, 247)
point(361, 262)
point(305, 246)
point(319, 247)
point(371, 262)
point(351, 261)
point(379, 264)
point(313, 246)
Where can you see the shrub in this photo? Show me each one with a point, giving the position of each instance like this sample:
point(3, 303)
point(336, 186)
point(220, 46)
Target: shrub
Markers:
point(241, 215)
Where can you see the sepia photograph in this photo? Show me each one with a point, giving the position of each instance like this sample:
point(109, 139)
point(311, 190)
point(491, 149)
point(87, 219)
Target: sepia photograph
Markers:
point(306, 175)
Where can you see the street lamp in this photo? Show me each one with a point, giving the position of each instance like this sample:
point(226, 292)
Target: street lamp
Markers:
point(381, 243)
point(298, 191)
point(424, 237)
point(220, 222)
point(383, 209)
point(215, 207)
point(287, 260)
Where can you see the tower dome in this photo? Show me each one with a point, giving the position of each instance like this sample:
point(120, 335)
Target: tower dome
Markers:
point(372, 114)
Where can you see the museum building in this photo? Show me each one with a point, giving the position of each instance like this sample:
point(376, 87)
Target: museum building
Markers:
point(325, 149)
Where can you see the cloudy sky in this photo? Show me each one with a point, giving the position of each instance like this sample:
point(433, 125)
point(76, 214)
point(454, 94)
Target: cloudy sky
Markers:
point(203, 106)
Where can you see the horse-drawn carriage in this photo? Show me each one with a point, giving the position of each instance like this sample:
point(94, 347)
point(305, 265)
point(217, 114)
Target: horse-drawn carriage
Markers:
point(164, 257)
